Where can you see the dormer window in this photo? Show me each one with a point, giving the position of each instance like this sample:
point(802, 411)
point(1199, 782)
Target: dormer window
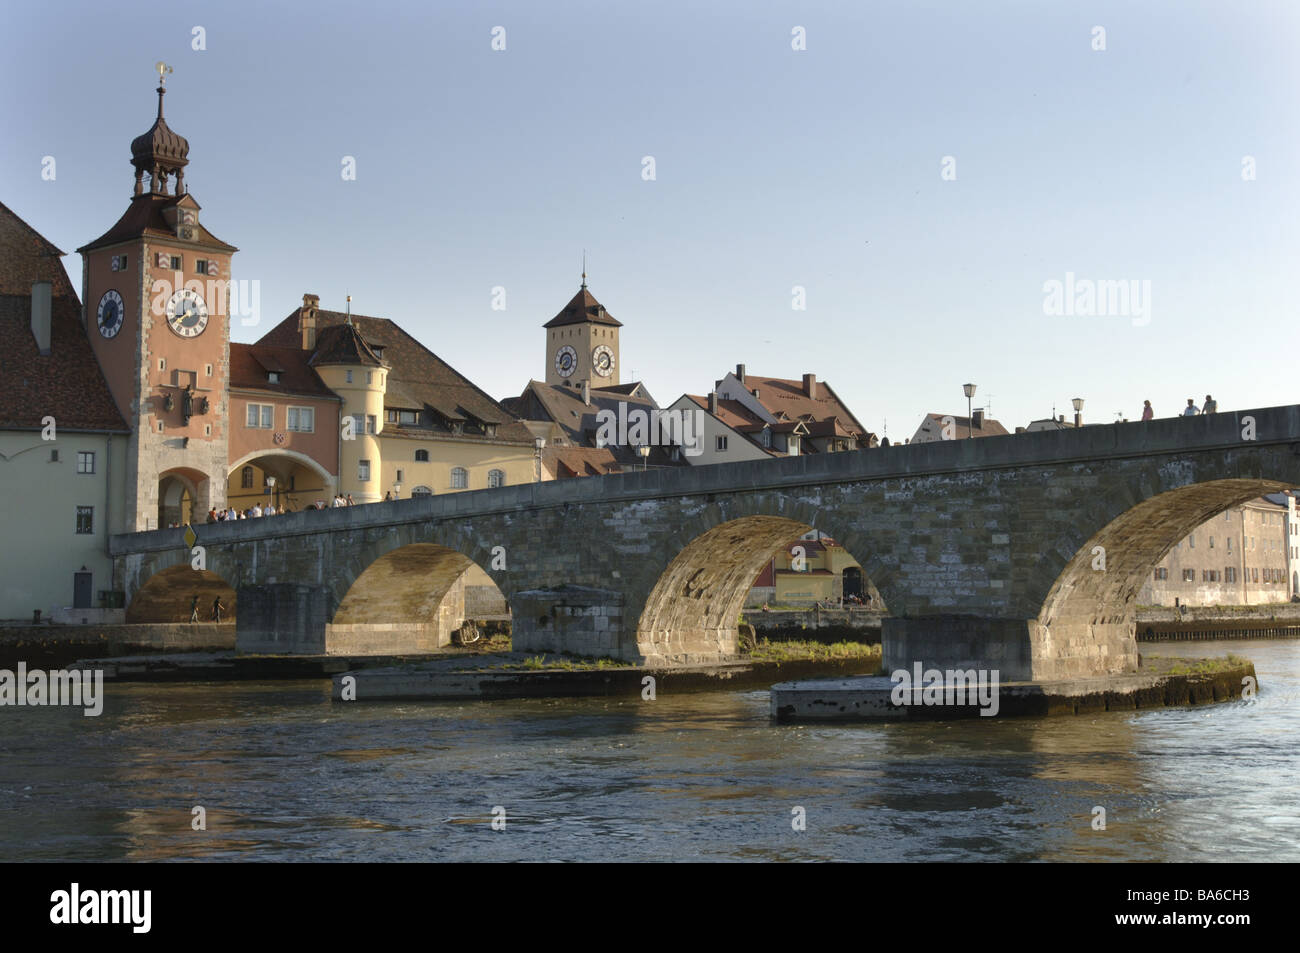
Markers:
point(273, 377)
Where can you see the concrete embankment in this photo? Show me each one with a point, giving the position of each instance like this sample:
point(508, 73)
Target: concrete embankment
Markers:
point(1276, 620)
point(441, 682)
point(56, 646)
point(873, 698)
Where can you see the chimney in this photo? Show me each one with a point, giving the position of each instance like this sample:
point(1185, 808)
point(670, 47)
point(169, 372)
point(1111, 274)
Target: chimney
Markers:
point(586, 393)
point(740, 373)
point(1078, 418)
point(755, 393)
point(1061, 419)
point(713, 403)
point(977, 420)
point(1020, 430)
point(810, 386)
point(41, 304)
point(307, 321)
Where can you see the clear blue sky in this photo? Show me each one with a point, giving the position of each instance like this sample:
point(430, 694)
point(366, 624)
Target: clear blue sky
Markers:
point(775, 168)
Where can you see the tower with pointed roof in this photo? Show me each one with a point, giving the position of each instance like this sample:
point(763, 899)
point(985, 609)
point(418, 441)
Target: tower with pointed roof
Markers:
point(351, 368)
point(156, 308)
point(582, 343)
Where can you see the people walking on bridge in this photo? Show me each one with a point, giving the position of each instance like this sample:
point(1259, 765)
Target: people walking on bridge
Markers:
point(1147, 412)
point(194, 609)
point(217, 609)
point(349, 500)
point(1211, 405)
point(1190, 410)
point(255, 510)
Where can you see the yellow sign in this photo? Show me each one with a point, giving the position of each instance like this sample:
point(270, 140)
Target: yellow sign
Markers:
point(190, 537)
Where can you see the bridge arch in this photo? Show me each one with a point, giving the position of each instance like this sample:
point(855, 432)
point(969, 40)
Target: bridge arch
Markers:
point(408, 583)
point(691, 608)
point(167, 595)
point(1087, 618)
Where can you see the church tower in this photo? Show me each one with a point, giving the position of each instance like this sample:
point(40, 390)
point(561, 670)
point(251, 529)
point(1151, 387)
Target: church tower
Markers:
point(582, 343)
point(156, 306)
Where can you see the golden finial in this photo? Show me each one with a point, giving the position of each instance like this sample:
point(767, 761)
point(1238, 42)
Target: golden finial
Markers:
point(163, 69)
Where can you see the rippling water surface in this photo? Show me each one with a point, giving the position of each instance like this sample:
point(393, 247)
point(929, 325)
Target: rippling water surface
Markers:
point(286, 774)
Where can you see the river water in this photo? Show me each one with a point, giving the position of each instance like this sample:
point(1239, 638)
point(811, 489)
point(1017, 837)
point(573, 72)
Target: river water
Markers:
point(283, 773)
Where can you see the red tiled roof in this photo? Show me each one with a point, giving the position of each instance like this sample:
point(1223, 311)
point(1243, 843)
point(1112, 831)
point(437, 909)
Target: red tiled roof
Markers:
point(418, 376)
point(249, 364)
point(566, 462)
point(783, 396)
point(581, 309)
point(67, 383)
point(343, 344)
point(143, 218)
point(961, 426)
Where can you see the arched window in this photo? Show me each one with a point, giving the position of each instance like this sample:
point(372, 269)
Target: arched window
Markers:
point(459, 478)
point(421, 491)
point(422, 456)
point(496, 478)
point(246, 478)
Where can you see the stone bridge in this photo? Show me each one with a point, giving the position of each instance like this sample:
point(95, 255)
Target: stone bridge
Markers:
point(1023, 553)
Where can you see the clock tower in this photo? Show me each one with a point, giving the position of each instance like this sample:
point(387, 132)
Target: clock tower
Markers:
point(156, 306)
point(582, 343)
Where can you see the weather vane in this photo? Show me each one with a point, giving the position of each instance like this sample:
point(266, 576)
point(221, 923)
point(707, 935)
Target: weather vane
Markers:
point(163, 69)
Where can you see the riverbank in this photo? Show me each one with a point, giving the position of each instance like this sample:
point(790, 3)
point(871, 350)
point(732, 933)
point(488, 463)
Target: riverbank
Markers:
point(1274, 620)
point(1163, 682)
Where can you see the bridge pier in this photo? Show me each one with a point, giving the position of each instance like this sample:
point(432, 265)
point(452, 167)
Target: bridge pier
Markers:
point(1018, 649)
point(575, 619)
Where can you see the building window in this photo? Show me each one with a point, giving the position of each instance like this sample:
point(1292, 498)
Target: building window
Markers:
point(390, 416)
point(363, 471)
point(1211, 542)
point(370, 377)
point(207, 369)
point(200, 266)
point(767, 438)
point(421, 491)
point(372, 423)
point(459, 478)
point(408, 417)
point(302, 419)
point(1254, 574)
point(422, 456)
point(1162, 573)
point(85, 461)
point(1189, 575)
point(1191, 541)
point(399, 477)
point(261, 416)
point(348, 376)
point(720, 443)
point(118, 263)
point(1230, 574)
point(1229, 544)
point(246, 478)
point(85, 520)
point(496, 478)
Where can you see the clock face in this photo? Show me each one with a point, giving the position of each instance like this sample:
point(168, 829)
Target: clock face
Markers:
point(602, 359)
point(110, 314)
point(566, 361)
point(187, 315)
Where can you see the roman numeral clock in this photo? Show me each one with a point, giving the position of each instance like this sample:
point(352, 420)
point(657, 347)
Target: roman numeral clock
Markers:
point(187, 315)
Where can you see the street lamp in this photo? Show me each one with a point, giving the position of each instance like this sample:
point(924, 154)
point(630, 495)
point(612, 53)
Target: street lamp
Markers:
point(1078, 411)
point(969, 390)
point(644, 452)
point(538, 443)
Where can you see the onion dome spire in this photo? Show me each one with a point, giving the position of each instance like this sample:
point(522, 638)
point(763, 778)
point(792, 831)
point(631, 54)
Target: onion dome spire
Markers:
point(160, 152)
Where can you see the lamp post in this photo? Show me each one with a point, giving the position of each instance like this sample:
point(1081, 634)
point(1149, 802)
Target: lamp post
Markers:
point(397, 491)
point(1078, 411)
point(969, 390)
point(644, 453)
point(538, 443)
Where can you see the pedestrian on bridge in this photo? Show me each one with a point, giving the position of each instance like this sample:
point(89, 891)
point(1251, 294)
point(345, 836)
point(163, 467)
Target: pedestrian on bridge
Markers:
point(1147, 412)
point(1190, 410)
point(194, 609)
point(217, 608)
point(1211, 405)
